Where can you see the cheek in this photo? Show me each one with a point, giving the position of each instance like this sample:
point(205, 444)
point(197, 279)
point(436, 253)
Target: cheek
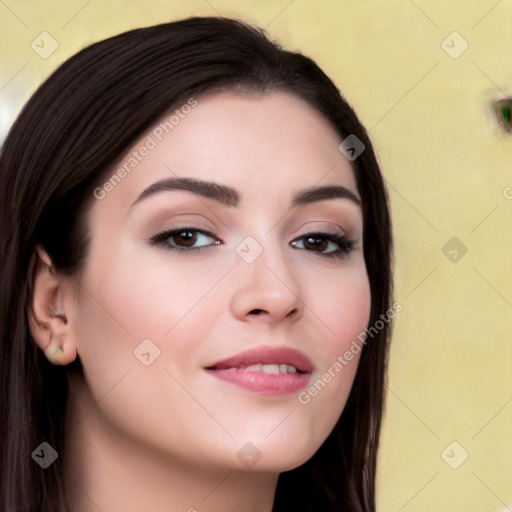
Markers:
point(132, 301)
point(344, 306)
point(124, 305)
point(147, 299)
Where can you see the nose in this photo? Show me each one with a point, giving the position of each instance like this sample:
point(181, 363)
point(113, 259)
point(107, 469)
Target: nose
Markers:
point(266, 290)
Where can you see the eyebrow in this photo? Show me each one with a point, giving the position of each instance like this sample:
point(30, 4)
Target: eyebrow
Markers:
point(229, 196)
point(312, 195)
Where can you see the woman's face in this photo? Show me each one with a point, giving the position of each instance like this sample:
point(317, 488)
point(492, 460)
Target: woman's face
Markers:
point(258, 262)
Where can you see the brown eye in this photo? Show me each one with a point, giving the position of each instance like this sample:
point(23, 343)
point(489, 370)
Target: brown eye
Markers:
point(185, 239)
point(315, 243)
point(325, 244)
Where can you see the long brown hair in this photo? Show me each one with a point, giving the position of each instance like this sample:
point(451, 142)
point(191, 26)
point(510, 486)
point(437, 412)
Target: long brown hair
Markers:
point(69, 134)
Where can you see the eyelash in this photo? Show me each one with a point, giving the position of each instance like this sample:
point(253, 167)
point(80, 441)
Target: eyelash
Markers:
point(345, 246)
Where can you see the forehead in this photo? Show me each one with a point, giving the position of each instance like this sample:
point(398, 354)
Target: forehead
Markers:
point(263, 145)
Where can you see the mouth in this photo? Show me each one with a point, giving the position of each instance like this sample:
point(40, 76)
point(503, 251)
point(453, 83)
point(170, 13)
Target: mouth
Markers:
point(265, 370)
point(269, 360)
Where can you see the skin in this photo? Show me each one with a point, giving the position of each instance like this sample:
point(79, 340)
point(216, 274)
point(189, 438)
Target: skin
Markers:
point(166, 436)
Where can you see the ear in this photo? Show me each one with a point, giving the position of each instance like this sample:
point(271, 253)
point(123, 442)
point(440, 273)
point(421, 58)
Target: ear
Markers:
point(47, 318)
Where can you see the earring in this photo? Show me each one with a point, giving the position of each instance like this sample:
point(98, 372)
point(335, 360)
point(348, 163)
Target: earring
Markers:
point(53, 353)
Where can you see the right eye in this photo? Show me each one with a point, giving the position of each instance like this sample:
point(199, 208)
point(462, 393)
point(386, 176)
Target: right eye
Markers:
point(185, 239)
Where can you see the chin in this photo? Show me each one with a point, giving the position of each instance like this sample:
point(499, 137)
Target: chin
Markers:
point(278, 464)
point(283, 457)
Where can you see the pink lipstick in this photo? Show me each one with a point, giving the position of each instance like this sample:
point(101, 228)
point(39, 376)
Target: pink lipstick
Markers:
point(267, 371)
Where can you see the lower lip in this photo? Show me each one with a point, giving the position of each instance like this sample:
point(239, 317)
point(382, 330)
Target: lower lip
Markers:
point(263, 383)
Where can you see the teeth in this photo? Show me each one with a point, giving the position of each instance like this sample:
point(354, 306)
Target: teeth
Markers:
point(271, 369)
point(254, 368)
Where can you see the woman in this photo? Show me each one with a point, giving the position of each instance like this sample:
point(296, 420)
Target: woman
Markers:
point(197, 242)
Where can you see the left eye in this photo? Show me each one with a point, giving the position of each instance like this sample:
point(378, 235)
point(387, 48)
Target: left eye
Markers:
point(328, 244)
point(185, 239)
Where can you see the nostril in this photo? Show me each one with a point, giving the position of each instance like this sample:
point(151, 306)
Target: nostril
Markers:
point(257, 312)
point(292, 312)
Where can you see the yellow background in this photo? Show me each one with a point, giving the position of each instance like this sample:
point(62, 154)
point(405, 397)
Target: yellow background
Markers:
point(447, 164)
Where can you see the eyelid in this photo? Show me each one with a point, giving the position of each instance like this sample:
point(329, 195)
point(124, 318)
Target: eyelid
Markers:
point(328, 221)
point(162, 236)
point(346, 245)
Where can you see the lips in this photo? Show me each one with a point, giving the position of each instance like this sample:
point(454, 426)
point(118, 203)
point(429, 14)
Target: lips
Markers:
point(268, 356)
point(267, 371)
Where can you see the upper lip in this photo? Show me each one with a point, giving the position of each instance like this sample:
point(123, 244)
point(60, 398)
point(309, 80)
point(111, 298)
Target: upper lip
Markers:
point(266, 355)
